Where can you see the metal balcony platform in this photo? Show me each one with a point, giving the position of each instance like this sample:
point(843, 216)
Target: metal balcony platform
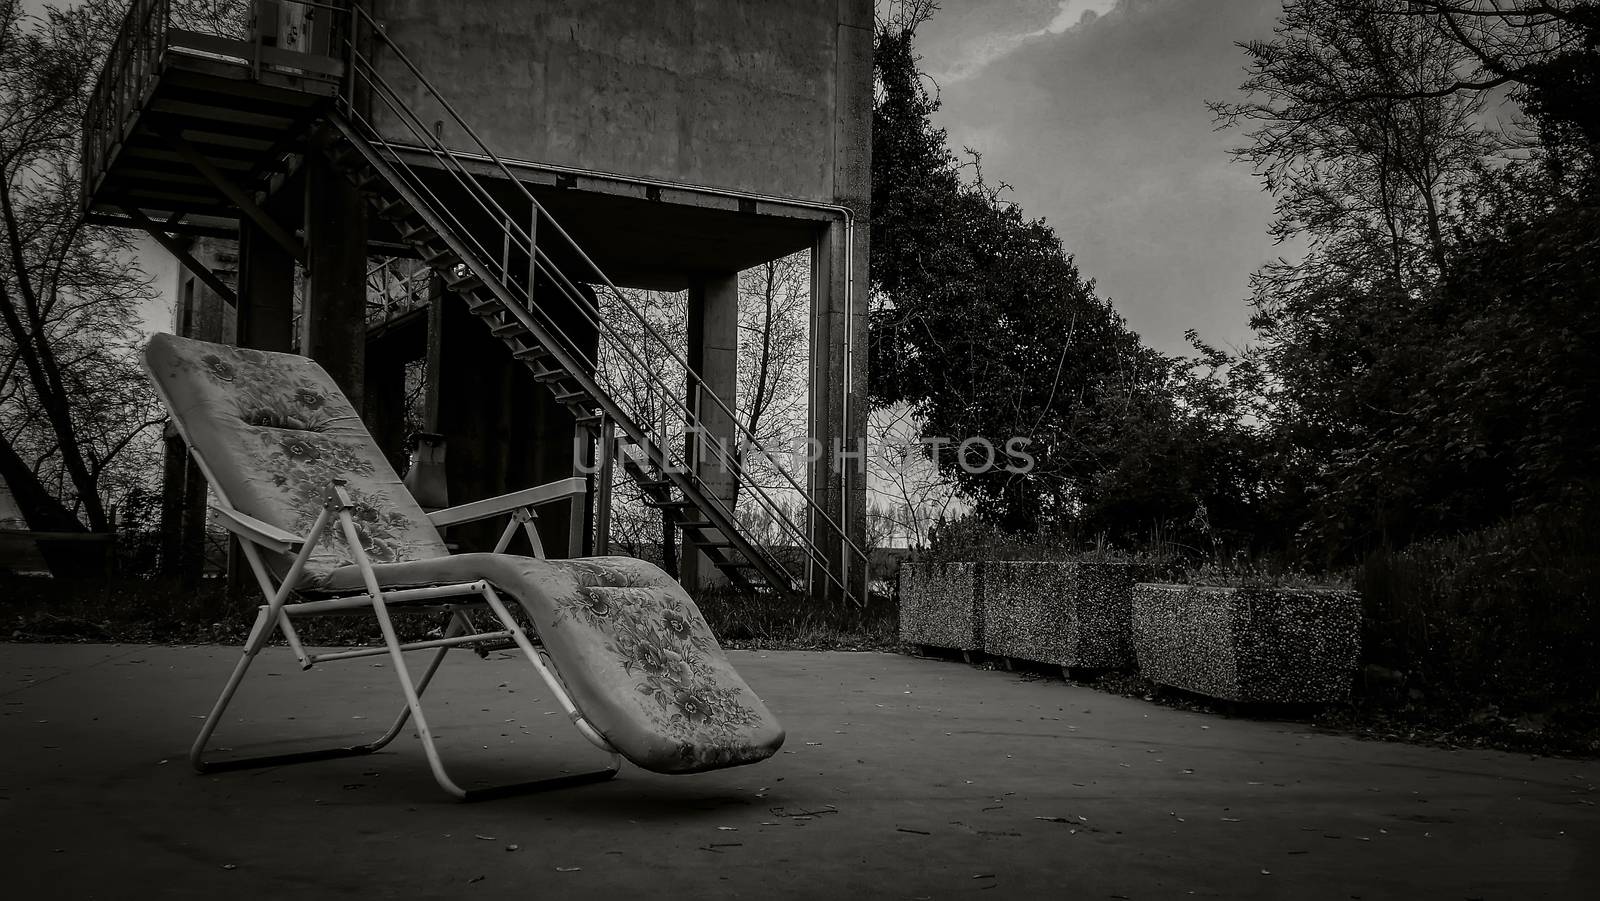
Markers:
point(182, 124)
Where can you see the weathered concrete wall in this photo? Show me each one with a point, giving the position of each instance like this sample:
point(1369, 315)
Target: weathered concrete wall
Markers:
point(738, 94)
point(199, 311)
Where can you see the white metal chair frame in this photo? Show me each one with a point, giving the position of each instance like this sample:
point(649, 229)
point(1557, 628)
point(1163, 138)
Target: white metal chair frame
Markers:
point(280, 612)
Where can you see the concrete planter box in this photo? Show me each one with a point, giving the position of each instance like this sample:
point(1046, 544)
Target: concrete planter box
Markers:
point(1252, 645)
point(939, 606)
point(1075, 615)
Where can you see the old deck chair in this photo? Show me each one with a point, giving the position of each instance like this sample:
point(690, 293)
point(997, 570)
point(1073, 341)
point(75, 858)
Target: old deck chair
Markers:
point(328, 528)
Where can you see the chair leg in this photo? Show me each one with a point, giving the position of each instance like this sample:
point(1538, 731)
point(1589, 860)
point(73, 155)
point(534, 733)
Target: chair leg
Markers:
point(253, 645)
point(412, 711)
point(456, 627)
point(435, 762)
point(584, 727)
point(413, 700)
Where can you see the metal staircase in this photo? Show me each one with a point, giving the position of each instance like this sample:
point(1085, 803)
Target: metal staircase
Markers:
point(496, 254)
point(189, 131)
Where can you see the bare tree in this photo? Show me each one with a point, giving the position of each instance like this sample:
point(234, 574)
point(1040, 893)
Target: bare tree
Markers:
point(908, 492)
point(632, 364)
point(69, 294)
point(774, 366)
point(1508, 40)
point(1353, 126)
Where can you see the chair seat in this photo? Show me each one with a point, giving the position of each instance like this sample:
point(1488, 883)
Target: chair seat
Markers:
point(629, 645)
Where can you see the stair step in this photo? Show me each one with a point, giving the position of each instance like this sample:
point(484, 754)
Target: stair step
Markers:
point(700, 525)
point(394, 209)
point(508, 328)
point(446, 256)
point(666, 504)
point(465, 285)
point(419, 232)
point(571, 397)
point(531, 353)
point(548, 375)
point(589, 419)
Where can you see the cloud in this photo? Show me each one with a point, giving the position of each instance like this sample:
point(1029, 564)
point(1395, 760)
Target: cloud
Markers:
point(1072, 13)
point(985, 48)
point(1103, 130)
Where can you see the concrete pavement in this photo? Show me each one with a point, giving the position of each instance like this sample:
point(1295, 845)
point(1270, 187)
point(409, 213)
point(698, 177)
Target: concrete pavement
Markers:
point(901, 778)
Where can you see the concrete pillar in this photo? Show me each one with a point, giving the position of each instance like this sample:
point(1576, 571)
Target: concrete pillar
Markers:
point(503, 430)
point(468, 376)
point(264, 321)
point(201, 313)
point(838, 299)
point(174, 464)
point(713, 356)
point(266, 291)
point(383, 395)
point(333, 320)
point(838, 410)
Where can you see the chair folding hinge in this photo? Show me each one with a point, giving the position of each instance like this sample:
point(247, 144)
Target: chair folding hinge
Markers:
point(338, 497)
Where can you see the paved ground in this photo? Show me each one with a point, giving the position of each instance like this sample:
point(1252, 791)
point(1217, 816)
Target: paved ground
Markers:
point(901, 778)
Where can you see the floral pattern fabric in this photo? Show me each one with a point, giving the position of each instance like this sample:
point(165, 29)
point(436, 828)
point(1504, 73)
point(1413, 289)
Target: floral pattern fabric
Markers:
point(663, 645)
point(275, 431)
point(626, 640)
point(631, 648)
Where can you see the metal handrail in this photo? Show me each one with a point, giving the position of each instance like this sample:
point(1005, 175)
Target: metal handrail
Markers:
point(126, 74)
point(489, 205)
point(525, 239)
point(127, 77)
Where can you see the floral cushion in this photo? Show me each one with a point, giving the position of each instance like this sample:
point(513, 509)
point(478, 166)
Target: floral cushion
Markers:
point(274, 430)
point(625, 639)
point(631, 648)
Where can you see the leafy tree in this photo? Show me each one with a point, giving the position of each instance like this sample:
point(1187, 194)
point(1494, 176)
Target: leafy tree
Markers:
point(1427, 359)
point(983, 324)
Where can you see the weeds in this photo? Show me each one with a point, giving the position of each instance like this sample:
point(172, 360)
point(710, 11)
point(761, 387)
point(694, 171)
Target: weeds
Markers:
point(165, 612)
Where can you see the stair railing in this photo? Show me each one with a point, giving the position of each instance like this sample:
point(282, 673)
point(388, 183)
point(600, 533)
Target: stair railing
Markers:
point(514, 234)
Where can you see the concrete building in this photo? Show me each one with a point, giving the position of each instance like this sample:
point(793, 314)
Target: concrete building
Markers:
point(537, 156)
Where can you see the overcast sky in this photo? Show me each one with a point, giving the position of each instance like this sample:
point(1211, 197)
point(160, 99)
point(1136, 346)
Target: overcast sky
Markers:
point(1095, 112)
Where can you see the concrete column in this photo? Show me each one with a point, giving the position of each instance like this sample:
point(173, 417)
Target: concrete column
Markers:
point(383, 393)
point(838, 298)
point(333, 321)
point(838, 410)
point(503, 430)
point(174, 470)
point(713, 357)
point(264, 320)
point(467, 380)
point(266, 291)
point(201, 313)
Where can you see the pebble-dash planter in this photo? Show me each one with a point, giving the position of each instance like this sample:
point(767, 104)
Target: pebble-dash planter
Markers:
point(1248, 645)
point(940, 607)
point(1072, 615)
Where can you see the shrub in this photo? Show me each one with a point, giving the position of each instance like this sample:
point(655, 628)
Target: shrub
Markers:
point(1505, 617)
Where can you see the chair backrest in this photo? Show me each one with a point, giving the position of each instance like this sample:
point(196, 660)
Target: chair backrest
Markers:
point(271, 431)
